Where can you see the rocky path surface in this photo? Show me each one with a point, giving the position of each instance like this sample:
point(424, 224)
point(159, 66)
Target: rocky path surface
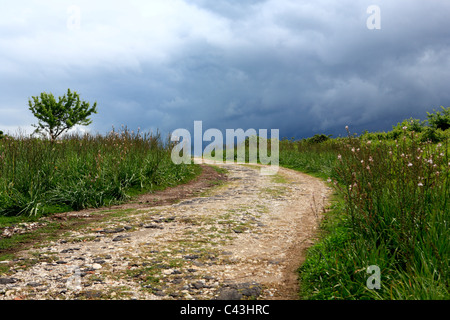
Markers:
point(240, 240)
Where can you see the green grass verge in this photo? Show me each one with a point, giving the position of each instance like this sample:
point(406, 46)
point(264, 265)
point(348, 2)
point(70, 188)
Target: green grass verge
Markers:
point(390, 210)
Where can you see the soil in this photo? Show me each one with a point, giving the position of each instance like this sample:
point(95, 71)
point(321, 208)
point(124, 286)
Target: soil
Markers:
point(242, 235)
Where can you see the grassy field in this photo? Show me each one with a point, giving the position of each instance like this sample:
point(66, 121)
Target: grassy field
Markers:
point(39, 177)
point(390, 210)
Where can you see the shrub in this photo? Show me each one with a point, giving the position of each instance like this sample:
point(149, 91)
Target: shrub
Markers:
point(440, 119)
point(433, 135)
point(318, 138)
point(410, 125)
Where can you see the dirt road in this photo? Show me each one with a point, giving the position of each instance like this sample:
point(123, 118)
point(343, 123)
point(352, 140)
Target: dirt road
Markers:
point(243, 239)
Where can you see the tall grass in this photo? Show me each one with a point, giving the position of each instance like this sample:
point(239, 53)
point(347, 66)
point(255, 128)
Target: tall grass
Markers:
point(317, 159)
point(38, 176)
point(392, 210)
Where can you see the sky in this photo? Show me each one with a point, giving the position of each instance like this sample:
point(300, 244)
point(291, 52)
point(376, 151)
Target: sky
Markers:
point(303, 67)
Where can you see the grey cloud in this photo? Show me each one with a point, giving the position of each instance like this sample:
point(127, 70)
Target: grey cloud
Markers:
point(302, 67)
point(232, 9)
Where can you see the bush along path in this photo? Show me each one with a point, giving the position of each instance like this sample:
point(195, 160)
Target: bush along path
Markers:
point(243, 239)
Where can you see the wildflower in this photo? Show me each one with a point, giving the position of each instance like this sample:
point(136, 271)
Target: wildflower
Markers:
point(370, 159)
point(368, 167)
point(369, 142)
point(353, 149)
point(329, 180)
point(410, 164)
point(405, 127)
point(346, 127)
point(340, 157)
point(362, 161)
point(420, 184)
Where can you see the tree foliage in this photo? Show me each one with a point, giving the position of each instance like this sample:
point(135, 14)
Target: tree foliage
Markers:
point(55, 117)
point(440, 120)
point(318, 138)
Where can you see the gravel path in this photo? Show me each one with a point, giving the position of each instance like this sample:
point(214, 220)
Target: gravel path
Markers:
point(240, 240)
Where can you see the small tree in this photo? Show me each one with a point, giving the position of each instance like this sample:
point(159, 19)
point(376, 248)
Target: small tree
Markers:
point(57, 117)
point(440, 120)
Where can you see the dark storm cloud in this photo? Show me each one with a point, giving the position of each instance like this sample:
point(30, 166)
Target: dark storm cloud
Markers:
point(328, 70)
point(303, 67)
